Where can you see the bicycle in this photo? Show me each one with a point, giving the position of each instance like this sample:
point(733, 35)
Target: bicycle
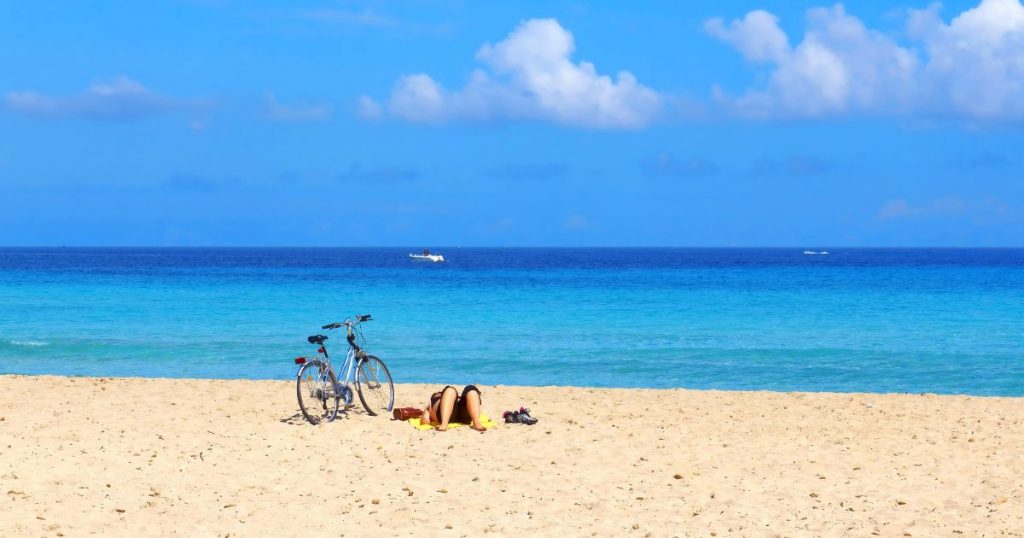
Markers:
point(317, 386)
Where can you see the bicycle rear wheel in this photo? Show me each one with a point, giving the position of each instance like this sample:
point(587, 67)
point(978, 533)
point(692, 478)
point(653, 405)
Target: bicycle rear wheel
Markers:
point(315, 388)
point(374, 385)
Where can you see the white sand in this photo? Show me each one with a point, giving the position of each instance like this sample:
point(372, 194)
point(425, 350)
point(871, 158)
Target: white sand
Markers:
point(149, 457)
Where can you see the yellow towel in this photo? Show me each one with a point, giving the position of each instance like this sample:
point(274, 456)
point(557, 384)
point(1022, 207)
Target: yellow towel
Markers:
point(420, 425)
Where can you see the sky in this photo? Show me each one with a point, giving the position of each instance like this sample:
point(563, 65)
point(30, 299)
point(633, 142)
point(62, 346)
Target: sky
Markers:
point(513, 123)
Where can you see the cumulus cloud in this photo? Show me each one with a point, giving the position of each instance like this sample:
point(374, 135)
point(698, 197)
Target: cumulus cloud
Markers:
point(976, 62)
point(840, 66)
point(971, 67)
point(120, 99)
point(278, 111)
point(757, 36)
point(529, 75)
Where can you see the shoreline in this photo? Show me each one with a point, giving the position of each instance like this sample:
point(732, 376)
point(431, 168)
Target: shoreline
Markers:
point(291, 379)
point(166, 456)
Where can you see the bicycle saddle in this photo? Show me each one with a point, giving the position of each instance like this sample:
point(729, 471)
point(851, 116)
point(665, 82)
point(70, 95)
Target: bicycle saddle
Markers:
point(317, 339)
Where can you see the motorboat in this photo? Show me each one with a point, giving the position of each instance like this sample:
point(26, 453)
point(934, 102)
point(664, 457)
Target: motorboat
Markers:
point(816, 253)
point(427, 257)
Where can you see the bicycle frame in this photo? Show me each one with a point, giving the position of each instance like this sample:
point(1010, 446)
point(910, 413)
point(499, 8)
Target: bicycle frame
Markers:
point(349, 366)
point(352, 358)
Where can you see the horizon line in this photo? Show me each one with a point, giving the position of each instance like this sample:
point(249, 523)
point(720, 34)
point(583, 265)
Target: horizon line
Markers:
point(563, 247)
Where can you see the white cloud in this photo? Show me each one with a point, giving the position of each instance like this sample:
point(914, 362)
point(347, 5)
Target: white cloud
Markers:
point(757, 36)
point(530, 75)
point(972, 67)
point(840, 66)
point(119, 99)
point(417, 98)
point(976, 62)
point(277, 111)
point(369, 109)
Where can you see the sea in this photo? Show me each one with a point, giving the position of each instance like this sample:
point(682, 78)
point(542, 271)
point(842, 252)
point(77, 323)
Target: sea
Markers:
point(945, 321)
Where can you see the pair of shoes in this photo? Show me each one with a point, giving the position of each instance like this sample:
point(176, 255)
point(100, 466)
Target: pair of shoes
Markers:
point(521, 417)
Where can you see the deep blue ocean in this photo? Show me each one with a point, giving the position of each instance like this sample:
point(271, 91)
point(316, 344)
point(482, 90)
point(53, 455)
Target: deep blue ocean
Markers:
point(874, 320)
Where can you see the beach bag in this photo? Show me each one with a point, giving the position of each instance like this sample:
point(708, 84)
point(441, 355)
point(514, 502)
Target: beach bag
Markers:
point(405, 413)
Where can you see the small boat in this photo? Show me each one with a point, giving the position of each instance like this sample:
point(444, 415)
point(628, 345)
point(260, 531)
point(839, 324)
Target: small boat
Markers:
point(435, 258)
point(810, 252)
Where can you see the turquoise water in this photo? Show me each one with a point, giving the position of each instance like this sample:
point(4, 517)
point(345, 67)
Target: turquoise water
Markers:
point(947, 321)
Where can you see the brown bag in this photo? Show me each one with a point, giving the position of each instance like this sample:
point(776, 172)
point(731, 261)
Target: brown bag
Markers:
point(405, 413)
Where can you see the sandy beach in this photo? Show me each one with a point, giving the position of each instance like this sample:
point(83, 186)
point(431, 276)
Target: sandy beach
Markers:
point(154, 457)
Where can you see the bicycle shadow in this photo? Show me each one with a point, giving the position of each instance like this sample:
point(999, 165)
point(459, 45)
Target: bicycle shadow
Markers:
point(298, 420)
point(295, 420)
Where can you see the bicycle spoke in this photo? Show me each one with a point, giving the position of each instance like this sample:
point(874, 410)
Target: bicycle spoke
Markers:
point(371, 374)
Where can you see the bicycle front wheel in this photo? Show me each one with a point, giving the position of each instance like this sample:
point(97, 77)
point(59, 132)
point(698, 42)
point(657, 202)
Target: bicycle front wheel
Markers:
point(374, 385)
point(315, 388)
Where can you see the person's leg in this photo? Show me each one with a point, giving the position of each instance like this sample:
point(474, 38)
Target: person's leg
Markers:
point(471, 403)
point(433, 410)
point(448, 398)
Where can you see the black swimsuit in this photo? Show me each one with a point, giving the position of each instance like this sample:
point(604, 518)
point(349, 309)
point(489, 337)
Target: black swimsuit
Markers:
point(460, 413)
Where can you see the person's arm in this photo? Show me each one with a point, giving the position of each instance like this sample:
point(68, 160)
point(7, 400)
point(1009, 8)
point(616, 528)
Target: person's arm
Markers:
point(426, 418)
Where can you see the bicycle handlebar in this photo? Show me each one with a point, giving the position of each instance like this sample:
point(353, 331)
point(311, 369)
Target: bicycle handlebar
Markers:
point(348, 323)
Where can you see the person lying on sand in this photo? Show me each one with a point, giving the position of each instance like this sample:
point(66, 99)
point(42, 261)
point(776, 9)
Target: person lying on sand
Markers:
point(447, 406)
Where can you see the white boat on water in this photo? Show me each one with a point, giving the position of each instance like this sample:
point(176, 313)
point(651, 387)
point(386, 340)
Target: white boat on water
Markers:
point(816, 253)
point(434, 258)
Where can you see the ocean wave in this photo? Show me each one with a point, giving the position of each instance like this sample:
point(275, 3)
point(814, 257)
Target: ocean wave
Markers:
point(27, 343)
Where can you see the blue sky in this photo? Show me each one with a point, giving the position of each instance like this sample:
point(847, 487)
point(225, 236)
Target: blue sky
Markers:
point(340, 123)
